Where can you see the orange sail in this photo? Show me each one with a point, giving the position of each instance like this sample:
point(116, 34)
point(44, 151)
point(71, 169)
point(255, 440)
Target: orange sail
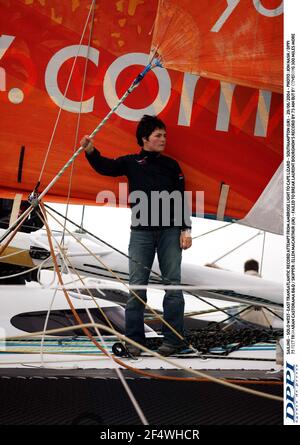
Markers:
point(220, 132)
point(236, 41)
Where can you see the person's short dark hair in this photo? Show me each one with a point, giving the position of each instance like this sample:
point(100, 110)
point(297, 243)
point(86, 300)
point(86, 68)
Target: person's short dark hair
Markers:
point(146, 126)
point(251, 265)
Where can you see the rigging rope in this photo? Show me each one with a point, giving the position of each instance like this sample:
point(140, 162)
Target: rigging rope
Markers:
point(65, 92)
point(135, 261)
point(13, 254)
point(137, 296)
point(13, 229)
point(213, 230)
point(237, 247)
point(262, 255)
point(274, 313)
point(130, 341)
point(235, 319)
point(79, 115)
point(177, 364)
point(64, 259)
point(88, 250)
point(122, 282)
point(79, 321)
point(35, 199)
point(24, 272)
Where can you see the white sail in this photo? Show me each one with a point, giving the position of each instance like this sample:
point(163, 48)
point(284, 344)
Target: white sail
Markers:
point(267, 212)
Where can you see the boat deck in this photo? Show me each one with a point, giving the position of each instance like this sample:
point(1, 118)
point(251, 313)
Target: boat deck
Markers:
point(96, 397)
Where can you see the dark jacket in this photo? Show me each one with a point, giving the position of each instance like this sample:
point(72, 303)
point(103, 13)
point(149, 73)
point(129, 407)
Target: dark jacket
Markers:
point(149, 172)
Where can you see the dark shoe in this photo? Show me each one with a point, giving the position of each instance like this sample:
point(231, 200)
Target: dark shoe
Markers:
point(133, 350)
point(166, 349)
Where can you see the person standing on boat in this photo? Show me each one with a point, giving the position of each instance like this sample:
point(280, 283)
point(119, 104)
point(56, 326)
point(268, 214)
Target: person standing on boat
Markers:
point(165, 229)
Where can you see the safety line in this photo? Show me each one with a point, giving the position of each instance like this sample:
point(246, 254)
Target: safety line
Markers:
point(65, 93)
point(196, 373)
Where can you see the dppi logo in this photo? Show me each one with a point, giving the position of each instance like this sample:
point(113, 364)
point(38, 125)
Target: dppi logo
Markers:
point(290, 393)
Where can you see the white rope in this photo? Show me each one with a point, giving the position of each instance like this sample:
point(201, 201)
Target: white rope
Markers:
point(120, 280)
point(118, 372)
point(66, 259)
point(128, 287)
point(122, 337)
point(64, 265)
point(65, 93)
point(100, 337)
point(37, 199)
point(132, 398)
point(24, 272)
point(58, 360)
point(213, 230)
point(79, 118)
point(54, 295)
point(262, 255)
point(45, 327)
point(12, 254)
point(237, 247)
